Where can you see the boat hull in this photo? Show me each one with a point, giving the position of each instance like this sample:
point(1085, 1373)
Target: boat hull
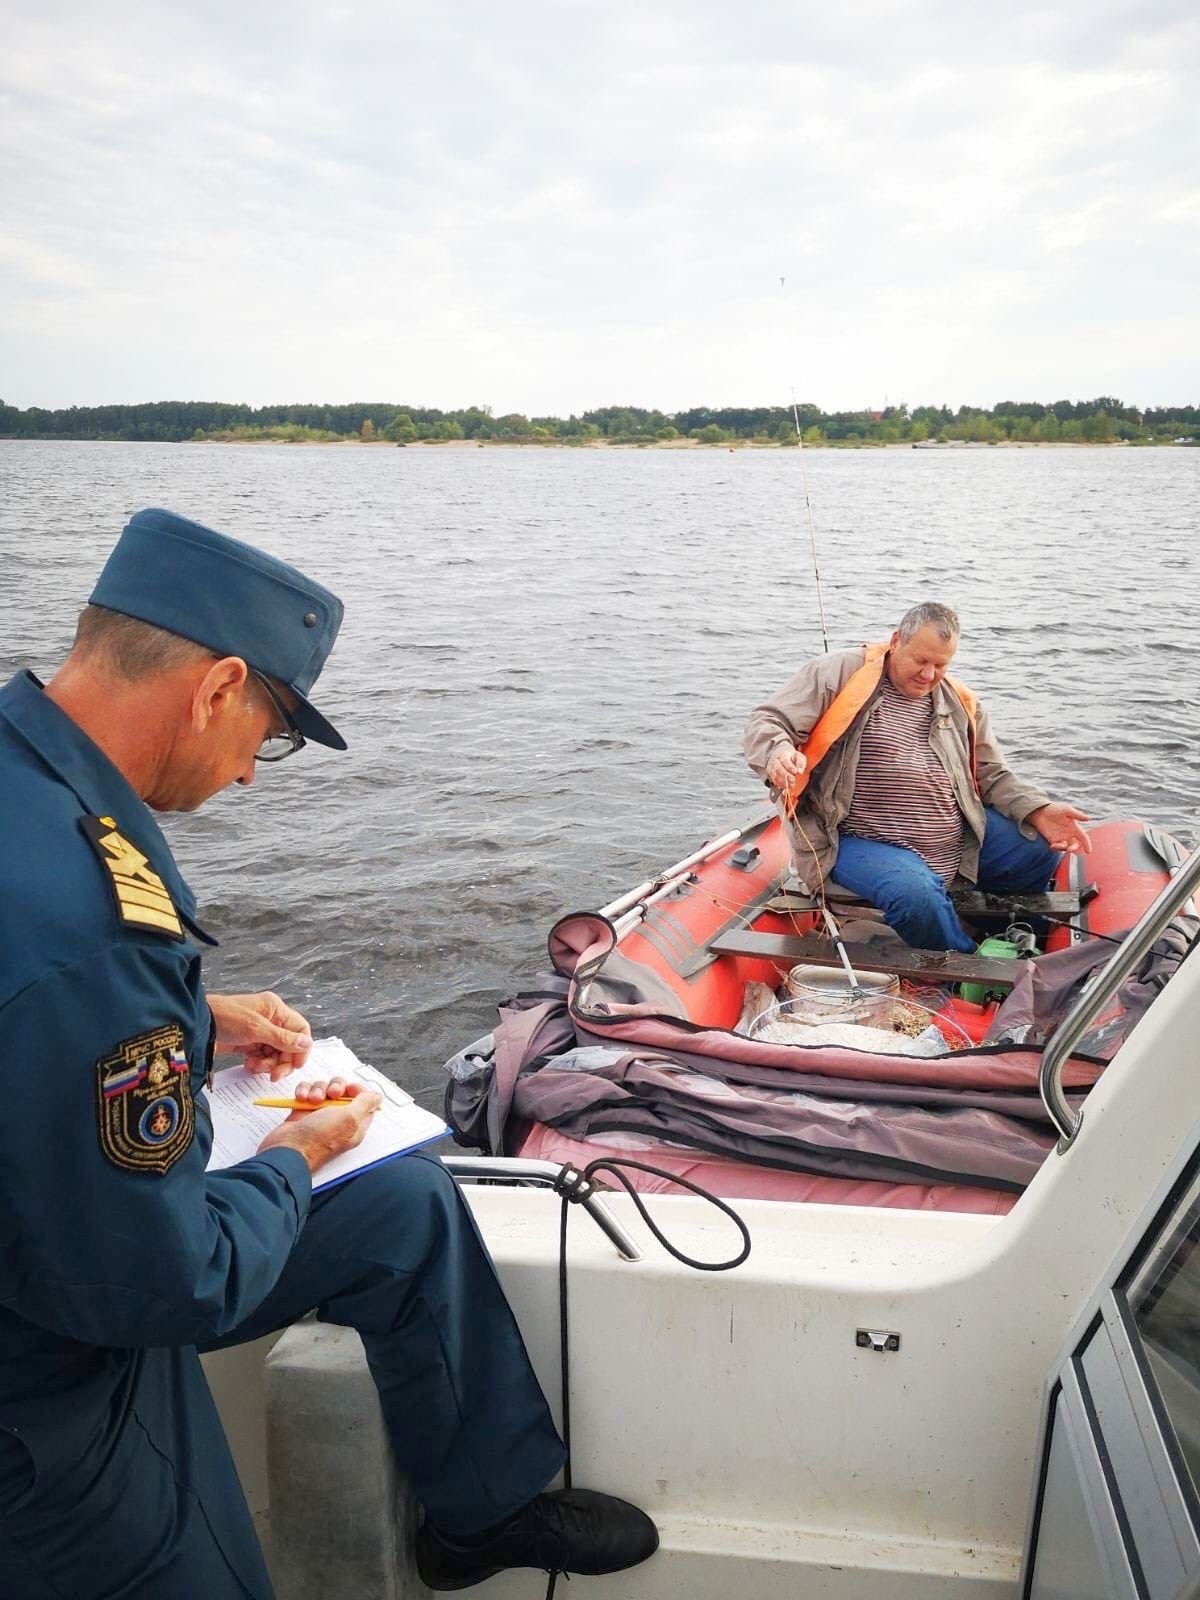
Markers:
point(671, 946)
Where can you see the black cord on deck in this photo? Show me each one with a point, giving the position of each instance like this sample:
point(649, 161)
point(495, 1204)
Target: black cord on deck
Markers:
point(576, 1186)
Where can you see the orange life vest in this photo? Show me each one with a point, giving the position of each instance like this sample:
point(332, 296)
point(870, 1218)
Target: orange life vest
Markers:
point(846, 705)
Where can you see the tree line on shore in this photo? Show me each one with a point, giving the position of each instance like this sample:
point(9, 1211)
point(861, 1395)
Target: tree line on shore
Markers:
point(1101, 421)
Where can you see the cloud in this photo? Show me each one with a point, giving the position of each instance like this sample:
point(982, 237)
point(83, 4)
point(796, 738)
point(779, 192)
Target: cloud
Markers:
point(555, 205)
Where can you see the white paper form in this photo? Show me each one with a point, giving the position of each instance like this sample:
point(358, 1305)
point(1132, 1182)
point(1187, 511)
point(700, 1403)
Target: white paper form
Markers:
point(239, 1126)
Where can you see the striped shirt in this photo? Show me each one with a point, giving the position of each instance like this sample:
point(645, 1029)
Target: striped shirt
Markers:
point(902, 792)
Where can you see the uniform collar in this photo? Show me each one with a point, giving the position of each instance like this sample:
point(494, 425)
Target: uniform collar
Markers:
point(100, 787)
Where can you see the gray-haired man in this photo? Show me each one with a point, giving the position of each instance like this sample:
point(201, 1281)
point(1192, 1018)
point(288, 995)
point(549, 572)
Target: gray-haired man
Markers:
point(893, 782)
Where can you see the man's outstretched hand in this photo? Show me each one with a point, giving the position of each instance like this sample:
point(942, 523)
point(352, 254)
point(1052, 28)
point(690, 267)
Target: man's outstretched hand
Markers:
point(1058, 823)
point(272, 1037)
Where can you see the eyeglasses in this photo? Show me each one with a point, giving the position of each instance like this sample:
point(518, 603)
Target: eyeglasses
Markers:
point(278, 746)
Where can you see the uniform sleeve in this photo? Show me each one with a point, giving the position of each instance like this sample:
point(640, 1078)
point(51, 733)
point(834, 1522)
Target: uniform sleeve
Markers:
point(999, 786)
point(116, 1234)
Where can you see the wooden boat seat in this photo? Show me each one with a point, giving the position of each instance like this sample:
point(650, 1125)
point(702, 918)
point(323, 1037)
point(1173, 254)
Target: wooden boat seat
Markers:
point(814, 949)
point(968, 902)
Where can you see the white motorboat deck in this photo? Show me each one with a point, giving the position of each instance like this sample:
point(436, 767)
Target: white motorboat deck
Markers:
point(781, 1452)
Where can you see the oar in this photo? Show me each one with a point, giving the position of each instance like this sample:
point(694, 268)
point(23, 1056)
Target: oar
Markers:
point(835, 933)
point(628, 920)
point(616, 907)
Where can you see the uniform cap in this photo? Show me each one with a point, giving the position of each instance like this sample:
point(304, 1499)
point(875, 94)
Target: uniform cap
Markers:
point(228, 597)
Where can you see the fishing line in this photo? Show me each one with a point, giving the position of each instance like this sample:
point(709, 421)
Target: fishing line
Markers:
point(812, 533)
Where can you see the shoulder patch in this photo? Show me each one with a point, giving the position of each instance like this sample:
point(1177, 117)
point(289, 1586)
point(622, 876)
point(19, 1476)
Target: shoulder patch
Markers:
point(138, 892)
point(144, 1108)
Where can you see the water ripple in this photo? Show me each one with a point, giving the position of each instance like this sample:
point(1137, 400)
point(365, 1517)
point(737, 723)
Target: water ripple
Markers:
point(548, 656)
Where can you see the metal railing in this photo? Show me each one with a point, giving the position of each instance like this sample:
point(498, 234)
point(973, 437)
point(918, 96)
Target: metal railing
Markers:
point(1125, 960)
point(550, 1175)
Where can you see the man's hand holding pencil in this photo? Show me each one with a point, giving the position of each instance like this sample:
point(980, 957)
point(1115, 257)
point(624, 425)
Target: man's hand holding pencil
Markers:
point(328, 1118)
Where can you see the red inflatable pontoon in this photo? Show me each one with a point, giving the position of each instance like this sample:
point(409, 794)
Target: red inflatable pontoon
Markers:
point(692, 939)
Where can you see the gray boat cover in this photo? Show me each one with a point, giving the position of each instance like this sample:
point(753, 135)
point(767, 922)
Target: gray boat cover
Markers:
point(603, 1047)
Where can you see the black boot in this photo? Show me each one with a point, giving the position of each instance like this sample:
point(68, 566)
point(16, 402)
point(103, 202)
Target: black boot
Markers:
point(569, 1530)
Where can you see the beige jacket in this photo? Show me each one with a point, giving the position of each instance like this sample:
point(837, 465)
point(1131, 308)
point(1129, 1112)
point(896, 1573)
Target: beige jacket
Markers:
point(790, 716)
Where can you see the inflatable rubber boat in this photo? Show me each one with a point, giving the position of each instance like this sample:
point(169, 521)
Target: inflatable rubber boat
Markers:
point(648, 1041)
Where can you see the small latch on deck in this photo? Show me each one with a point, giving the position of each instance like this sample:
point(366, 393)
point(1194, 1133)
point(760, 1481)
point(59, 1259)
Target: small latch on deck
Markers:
point(746, 857)
point(877, 1339)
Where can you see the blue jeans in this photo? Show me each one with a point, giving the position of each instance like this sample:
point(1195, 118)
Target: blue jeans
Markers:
point(913, 898)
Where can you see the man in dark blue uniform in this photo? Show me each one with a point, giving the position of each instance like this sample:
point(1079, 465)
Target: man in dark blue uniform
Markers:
point(121, 1257)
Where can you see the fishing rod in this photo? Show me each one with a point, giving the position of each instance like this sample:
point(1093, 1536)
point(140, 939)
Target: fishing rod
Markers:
point(812, 532)
point(832, 926)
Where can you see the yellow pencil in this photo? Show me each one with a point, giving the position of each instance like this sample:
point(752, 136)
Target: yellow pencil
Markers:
point(305, 1105)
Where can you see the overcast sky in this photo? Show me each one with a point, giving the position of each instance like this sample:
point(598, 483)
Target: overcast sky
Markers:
point(551, 206)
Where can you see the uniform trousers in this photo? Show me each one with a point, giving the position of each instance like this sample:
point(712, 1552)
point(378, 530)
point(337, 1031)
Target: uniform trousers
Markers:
point(147, 1506)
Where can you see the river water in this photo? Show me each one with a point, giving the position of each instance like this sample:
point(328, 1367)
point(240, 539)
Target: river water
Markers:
point(548, 656)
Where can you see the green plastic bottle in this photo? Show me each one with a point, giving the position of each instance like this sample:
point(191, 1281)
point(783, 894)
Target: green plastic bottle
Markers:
point(999, 949)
